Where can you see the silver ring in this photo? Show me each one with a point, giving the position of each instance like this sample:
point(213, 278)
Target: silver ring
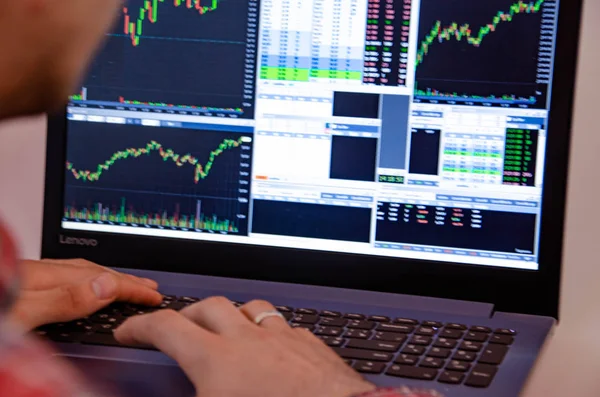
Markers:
point(265, 315)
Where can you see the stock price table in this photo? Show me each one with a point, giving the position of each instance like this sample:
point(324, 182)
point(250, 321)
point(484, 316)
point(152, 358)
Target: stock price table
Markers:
point(460, 228)
point(386, 51)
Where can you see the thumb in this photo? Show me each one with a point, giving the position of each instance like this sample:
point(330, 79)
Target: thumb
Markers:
point(65, 303)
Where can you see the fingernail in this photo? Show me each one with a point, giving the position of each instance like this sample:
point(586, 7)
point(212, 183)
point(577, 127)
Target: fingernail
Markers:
point(105, 286)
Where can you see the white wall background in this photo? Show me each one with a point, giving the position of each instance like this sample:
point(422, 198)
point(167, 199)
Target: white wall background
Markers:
point(570, 366)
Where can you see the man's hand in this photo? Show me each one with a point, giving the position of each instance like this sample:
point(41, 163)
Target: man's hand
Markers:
point(225, 354)
point(64, 290)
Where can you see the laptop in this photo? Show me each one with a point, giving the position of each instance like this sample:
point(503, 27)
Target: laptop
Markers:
point(390, 173)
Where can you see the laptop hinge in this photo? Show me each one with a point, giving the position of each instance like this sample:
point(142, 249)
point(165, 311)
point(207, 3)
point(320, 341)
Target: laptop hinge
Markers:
point(272, 291)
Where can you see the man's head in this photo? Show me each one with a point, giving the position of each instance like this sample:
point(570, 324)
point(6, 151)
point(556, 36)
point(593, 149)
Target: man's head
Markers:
point(45, 47)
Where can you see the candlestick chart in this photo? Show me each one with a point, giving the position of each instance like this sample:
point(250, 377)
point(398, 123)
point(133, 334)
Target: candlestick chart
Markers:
point(183, 56)
point(158, 177)
point(492, 53)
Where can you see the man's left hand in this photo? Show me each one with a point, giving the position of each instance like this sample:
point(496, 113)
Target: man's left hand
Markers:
point(64, 290)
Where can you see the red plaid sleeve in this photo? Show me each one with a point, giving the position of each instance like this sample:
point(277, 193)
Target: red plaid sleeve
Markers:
point(29, 369)
point(402, 392)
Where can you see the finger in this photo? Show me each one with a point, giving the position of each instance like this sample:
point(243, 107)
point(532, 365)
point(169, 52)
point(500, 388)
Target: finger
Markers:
point(171, 333)
point(85, 264)
point(316, 345)
point(146, 281)
point(252, 310)
point(69, 271)
point(216, 314)
point(67, 303)
point(109, 285)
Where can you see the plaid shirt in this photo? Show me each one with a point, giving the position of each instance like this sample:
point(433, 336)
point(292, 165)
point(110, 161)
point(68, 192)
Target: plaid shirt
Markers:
point(28, 368)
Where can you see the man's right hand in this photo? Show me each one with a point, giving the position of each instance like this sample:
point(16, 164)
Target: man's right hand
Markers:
point(225, 354)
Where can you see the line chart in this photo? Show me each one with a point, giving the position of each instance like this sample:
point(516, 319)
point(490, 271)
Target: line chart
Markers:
point(490, 53)
point(200, 171)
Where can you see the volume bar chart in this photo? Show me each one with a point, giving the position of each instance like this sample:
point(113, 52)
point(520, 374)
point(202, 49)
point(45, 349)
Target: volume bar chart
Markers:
point(195, 57)
point(129, 216)
point(481, 53)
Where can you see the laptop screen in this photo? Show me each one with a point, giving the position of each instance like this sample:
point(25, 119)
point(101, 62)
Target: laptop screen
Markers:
point(392, 128)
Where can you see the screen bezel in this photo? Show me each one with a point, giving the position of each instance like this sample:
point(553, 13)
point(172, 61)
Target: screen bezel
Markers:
point(520, 291)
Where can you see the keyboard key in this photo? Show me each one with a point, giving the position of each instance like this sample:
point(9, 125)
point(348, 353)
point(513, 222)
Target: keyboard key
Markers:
point(502, 339)
point(287, 315)
point(451, 333)
point(432, 362)
point(361, 324)
point(379, 319)
point(188, 299)
point(305, 326)
point(331, 314)
point(176, 306)
point(66, 337)
point(459, 366)
point(374, 345)
point(481, 376)
point(357, 334)
point(104, 318)
point(306, 311)
point(305, 319)
point(105, 328)
point(408, 321)
point(129, 311)
point(460, 327)
point(439, 352)
point(421, 340)
point(399, 328)
point(445, 343)
point(390, 337)
point(333, 341)
point(505, 331)
point(369, 367)
point(82, 326)
point(407, 359)
point(360, 354)
point(434, 324)
point(329, 331)
point(349, 362)
point(471, 346)
point(462, 355)
point(479, 328)
point(493, 354)
point(284, 309)
point(99, 339)
point(405, 371)
point(333, 322)
point(354, 316)
point(451, 377)
point(476, 336)
point(426, 331)
point(413, 349)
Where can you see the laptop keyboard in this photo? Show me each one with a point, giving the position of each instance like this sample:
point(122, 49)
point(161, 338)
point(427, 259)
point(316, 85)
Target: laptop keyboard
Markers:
point(427, 350)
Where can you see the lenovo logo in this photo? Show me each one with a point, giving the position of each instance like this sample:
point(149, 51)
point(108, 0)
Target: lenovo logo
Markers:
point(83, 242)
